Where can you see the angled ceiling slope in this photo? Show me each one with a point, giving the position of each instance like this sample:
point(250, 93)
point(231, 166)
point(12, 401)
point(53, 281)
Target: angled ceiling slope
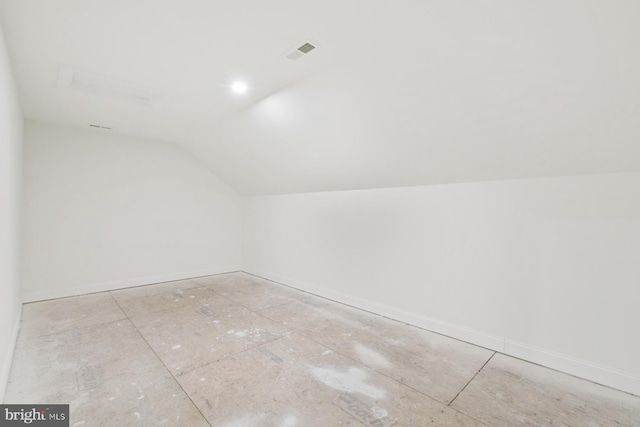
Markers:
point(395, 93)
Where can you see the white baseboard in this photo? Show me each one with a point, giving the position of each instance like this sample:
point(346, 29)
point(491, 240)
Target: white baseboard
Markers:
point(8, 359)
point(119, 284)
point(441, 327)
point(600, 374)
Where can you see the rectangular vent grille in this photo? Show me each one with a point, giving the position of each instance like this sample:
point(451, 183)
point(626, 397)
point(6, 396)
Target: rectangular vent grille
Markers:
point(306, 48)
point(300, 51)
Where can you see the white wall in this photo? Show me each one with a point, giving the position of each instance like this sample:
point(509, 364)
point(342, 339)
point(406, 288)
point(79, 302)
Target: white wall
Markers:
point(545, 269)
point(11, 124)
point(103, 211)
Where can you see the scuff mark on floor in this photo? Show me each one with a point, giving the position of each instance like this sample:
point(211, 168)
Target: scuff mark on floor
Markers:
point(259, 420)
point(370, 357)
point(351, 381)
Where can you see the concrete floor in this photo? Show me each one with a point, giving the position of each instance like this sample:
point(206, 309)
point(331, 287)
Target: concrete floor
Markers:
point(233, 350)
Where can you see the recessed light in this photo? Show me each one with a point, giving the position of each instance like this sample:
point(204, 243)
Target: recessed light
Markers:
point(239, 87)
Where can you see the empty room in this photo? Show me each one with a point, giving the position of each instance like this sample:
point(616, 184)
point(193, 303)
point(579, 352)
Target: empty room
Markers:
point(314, 214)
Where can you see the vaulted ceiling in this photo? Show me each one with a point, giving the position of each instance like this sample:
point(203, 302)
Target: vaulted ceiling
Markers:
point(396, 93)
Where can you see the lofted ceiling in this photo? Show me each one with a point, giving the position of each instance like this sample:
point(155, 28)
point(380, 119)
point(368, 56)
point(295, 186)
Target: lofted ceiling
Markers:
point(396, 93)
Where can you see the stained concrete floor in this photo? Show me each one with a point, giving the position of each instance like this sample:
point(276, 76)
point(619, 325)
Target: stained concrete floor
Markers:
point(233, 350)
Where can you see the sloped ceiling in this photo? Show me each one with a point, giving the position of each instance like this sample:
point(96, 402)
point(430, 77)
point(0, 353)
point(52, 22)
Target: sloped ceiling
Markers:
point(397, 93)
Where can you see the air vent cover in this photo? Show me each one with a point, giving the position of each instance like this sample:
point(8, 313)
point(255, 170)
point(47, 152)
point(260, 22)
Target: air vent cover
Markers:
point(306, 48)
point(100, 126)
point(300, 51)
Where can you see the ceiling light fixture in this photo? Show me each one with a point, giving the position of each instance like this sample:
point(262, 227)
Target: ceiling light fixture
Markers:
point(239, 87)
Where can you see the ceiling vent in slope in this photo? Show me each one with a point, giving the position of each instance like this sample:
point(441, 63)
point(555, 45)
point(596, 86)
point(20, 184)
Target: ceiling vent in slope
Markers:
point(100, 127)
point(107, 88)
point(300, 51)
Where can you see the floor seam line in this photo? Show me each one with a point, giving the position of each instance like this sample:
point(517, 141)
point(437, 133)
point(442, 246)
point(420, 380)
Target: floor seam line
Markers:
point(377, 371)
point(472, 378)
point(253, 347)
point(162, 363)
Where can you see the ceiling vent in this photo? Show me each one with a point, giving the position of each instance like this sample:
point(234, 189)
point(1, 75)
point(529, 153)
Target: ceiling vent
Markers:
point(107, 88)
point(300, 51)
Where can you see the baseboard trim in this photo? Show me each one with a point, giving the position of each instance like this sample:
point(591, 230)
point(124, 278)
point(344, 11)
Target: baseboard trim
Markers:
point(462, 333)
point(126, 283)
point(600, 374)
point(8, 359)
